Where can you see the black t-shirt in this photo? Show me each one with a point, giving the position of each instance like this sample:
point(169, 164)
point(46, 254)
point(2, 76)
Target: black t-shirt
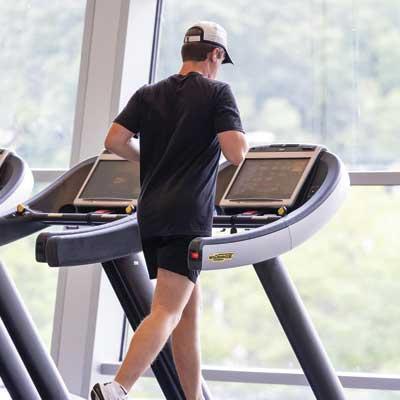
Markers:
point(178, 120)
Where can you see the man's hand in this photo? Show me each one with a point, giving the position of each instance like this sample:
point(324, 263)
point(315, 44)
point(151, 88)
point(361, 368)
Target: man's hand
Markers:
point(119, 141)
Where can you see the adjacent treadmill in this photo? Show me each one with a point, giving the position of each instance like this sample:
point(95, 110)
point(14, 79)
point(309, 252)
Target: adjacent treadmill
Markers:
point(16, 183)
point(27, 371)
point(281, 194)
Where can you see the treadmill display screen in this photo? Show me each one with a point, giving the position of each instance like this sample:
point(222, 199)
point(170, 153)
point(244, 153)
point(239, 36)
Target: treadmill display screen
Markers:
point(267, 179)
point(112, 180)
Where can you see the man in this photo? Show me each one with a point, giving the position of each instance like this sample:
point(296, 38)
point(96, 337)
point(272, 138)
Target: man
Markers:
point(183, 122)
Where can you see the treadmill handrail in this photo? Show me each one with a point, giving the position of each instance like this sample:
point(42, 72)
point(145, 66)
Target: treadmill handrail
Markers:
point(42, 238)
point(90, 246)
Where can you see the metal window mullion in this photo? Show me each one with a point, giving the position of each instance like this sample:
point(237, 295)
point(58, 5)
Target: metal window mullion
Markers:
point(78, 303)
point(281, 377)
point(376, 178)
point(82, 82)
point(156, 41)
point(47, 175)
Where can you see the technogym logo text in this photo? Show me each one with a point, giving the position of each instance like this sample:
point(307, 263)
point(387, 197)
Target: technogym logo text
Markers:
point(220, 257)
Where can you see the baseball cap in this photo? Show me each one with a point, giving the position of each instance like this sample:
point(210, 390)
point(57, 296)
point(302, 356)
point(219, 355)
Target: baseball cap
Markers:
point(209, 32)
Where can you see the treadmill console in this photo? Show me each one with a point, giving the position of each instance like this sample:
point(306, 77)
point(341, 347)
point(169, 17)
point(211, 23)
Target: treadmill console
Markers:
point(270, 177)
point(112, 182)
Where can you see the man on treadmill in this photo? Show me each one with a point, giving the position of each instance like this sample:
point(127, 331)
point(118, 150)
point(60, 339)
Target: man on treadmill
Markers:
point(183, 123)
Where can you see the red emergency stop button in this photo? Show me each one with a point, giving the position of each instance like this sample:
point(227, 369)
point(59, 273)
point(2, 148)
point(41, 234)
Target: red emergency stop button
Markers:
point(194, 255)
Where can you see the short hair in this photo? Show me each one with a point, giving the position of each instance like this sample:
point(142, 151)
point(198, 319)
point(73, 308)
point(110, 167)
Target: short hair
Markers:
point(197, 51)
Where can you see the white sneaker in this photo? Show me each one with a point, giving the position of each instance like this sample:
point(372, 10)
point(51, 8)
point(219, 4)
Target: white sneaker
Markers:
point(108, 391)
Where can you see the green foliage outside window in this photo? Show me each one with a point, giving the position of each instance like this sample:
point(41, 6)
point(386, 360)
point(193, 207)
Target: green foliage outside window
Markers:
point(320, 71)
point(40, 44)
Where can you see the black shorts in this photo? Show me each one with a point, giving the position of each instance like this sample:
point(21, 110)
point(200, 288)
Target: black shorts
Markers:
point(171, 253)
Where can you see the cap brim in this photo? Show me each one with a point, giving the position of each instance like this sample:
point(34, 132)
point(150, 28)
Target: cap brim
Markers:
point(227, 59)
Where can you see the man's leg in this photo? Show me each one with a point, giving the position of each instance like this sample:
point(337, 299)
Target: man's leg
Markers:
point(170, 298)
point(186, 347)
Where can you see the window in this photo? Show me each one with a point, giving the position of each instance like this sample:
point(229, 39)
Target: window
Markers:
point(311, 71)
point(40, 56)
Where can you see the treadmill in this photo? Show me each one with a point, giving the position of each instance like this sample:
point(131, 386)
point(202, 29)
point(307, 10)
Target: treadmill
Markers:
point(58, 205)
point(16, 183)
point(276, 199)
point(25, 366)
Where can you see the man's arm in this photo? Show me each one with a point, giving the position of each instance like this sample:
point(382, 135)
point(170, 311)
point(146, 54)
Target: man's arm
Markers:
point(119, 141)
point(228, 126)
point(233, 146)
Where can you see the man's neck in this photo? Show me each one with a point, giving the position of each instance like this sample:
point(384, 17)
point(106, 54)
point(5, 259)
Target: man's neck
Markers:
point(190, 66)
